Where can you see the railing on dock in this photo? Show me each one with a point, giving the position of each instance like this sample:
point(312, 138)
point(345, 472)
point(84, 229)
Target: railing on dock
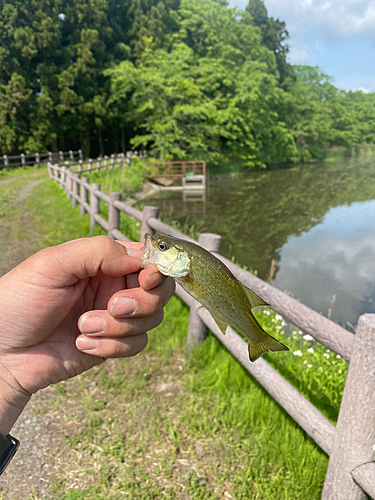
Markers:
point(177, 169)
point(351, 444)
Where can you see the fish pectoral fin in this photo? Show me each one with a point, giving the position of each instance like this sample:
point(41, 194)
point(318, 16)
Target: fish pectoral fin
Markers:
point(221, 324)
point(254, 299)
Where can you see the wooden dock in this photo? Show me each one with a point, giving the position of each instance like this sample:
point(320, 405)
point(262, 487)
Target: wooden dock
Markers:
point(191, 173)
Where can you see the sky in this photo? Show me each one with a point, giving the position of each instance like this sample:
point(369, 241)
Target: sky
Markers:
point(336, 35)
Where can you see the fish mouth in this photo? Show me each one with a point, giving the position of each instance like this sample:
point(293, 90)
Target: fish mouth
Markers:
point(148, 252)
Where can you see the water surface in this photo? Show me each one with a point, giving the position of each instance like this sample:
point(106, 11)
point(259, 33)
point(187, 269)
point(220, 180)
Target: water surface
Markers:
point(315, 222)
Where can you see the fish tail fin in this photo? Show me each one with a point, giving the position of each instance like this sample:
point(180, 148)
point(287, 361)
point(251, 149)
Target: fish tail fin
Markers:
point(259, 347)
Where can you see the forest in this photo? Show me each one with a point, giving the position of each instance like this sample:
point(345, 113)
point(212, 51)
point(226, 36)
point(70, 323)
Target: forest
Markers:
point(182, 79)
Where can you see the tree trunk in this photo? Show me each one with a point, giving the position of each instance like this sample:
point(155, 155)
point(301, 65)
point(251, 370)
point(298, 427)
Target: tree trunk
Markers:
point(85, 142)
point(123, 142)
point(100, 140)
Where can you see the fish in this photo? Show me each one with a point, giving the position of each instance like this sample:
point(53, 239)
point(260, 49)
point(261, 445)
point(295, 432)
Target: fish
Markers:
point(211, 283)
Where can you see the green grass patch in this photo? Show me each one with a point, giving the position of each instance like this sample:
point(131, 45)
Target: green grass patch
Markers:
point(54, 216)
point(163, 426)
point(20, 172)
point(125, 180)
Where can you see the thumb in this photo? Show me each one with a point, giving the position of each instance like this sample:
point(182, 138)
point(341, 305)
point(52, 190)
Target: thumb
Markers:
point(65, 264)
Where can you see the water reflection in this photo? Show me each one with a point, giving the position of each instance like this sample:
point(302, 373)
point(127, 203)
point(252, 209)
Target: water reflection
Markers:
point(316, 223)
point(336, 257)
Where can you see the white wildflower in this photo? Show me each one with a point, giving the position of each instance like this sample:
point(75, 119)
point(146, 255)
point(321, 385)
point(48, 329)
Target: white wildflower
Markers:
point(308, 337)
point(278, 317)
point(338, 356)
point(297, 353)
point(310, 349)
point(326, 355)
point(309, 366)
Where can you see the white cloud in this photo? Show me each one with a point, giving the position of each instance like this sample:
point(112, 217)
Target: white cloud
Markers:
point(333, 20)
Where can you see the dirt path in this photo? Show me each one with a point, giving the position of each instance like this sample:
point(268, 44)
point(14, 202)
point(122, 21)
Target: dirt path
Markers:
point(42, 443)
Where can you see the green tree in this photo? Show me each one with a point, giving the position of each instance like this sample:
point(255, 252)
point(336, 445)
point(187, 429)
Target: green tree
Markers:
point(215, 92)
point(274, 35)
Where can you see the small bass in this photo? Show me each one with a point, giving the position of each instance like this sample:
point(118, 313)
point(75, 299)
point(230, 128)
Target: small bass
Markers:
point(210, 282)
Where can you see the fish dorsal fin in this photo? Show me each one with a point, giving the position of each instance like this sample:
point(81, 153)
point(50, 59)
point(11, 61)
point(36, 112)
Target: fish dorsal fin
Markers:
point(221, 324)
point(254, 299)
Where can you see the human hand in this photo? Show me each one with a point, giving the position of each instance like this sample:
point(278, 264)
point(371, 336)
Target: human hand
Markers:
point(67, 308)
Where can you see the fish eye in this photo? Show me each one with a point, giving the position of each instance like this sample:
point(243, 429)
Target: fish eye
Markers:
point(162, 246)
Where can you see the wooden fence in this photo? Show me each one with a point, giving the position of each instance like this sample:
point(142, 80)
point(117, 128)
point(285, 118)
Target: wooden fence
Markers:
point(69, 158)
point(351, 444)
point(23, 160)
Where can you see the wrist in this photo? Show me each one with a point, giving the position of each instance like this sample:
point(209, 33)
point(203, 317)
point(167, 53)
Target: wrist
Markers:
point(13, 399)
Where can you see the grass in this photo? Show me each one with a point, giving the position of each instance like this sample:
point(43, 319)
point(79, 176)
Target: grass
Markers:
point(125, 180)
point(161, 425)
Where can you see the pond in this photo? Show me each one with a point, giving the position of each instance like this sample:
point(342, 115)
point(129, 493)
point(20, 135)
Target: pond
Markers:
point(309, 229)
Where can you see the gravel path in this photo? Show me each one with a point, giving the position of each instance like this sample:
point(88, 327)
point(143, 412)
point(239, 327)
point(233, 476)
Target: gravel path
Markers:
point(39, 429)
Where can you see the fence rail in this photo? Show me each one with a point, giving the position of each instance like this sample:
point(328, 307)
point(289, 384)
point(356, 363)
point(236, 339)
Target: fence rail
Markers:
point(68, 158)
point(351, 444)
point(22, 160)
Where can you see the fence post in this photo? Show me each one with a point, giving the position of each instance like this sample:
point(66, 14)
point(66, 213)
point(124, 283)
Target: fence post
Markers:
point(68, 182)
point(50, 156)
point(37, 159)
point(112, 160)
point(105, 162)
point(90, 165)
point(61, 156)
point(147, 213)
point(80, 154)
point(84, 194)
point(62, 177)
point(6, 162)
point(120, 160)
point(94, 205)
point(355, 430)
point(113, 213)
point(79, 165)
point(197, 330)
point(71, 155)
point(23, 160)
point(75, 189)
point(51, 171)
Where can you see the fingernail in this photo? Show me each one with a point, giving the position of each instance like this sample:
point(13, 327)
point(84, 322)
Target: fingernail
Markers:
point(86, 343)
point(134, 252)
point(123, 306)
point(92, 325)
point(153, 280)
